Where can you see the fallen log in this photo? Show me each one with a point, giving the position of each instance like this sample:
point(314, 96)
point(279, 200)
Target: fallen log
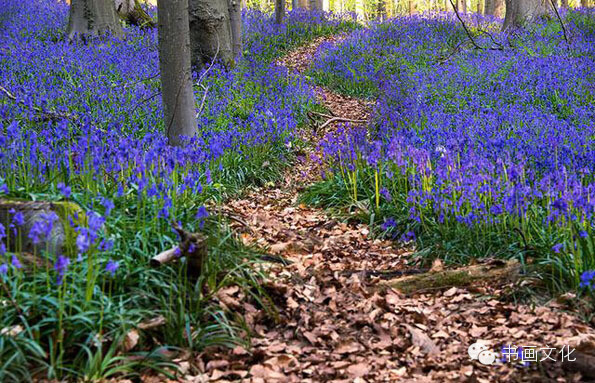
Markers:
point(192, 246)
point(464, 276)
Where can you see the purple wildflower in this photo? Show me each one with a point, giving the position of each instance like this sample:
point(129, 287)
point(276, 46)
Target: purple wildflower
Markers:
point(66, 191)
point(112, 266)
point(61, 266)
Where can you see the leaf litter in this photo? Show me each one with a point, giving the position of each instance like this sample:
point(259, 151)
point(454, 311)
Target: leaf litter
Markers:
point(334, 326)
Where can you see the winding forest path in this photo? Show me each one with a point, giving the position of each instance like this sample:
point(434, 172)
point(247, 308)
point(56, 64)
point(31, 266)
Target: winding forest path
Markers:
point(335, 324)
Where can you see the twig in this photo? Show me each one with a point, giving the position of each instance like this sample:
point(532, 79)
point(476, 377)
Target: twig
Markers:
point(464, 26)
point(336, 119)
point(561, 24)
point(11, 300)
point(499, 46)
point(202, 103)
point(51, 115)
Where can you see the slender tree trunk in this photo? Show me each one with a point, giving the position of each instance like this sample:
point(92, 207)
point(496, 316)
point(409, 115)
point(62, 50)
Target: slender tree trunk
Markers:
point(584, 3)
point(462, 6)
point(295, 4)
point(279, 11)
point(381, 10)
point(93, 17)
point(359, 10)
point(235, 20)
point(564, 3)
point(174, 63)
point(210, 32)
point(494, 7)
point(520, 12)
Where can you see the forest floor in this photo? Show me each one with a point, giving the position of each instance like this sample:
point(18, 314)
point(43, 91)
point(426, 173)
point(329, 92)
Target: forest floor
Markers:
point(337, 323)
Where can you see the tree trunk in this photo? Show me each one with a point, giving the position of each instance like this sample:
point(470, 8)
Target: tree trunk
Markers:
point(210, 32)
point(279, 11)
point(462, 6)
point(520, 12)
point(381, 10)
point(584, 3)
point(179, 106)
point(295, 4)
point(93, 17)
point(235, 20)
point(494, 7)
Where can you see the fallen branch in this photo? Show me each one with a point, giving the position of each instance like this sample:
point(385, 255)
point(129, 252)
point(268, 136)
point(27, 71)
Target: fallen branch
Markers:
point(341, 119)
point(561, 24)
point(193, 246)
point(47, 115)
point(465, 276)
point(165, 257)
point(499, 46)
point(385, 274)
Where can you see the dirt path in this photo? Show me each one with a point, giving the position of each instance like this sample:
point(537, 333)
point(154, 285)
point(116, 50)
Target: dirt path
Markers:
point(334, 324)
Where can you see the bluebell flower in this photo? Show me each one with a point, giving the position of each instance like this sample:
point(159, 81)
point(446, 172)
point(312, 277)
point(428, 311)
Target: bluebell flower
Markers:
point(112, 266)
point(3, 269)
point(61, 266)
point(66, 191)
point(201, 215)
point(588, 279)
point(388, 224)
point(15, 262)
point(557, 248)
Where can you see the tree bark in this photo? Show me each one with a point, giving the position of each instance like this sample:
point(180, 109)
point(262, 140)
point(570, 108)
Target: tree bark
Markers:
point(462, 6)
point(210, 32)
point(174, 63)
point(465, 276)
point(279, 11)
point(94, 18)
point(235, 21)
point(381, 10)
point(584, 3)
point(494, 7)
point(520, 12)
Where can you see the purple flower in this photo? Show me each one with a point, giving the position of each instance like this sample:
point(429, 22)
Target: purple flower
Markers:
point(557, 248)
point(108, 205)
point(112, 266)
point(61, 266)
point(2, 231)
point(588, 279)
point(83, 240)
point(201, 215)
point(3, 269)
point(42, 228)
point(408, 236)
point(386, 194)
point(15, 262)
point(388, 224)
point(66, 191)
point(18, 218)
